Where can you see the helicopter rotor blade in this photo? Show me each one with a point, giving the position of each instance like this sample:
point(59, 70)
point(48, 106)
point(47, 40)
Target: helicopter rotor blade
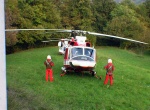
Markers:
point(45, 41)
point(34, 29)
point(54, 40)
point(51, 30)
point(61, 31)
point(64, 30)
point(112, 36)
point(50, 41)
point(76, 31)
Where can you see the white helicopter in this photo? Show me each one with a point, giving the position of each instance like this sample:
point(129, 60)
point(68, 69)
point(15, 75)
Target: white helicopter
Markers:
point(79, 55)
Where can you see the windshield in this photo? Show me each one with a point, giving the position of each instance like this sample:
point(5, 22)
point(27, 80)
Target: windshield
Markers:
point(89, 52)
point(79, 51)
point(76, 51)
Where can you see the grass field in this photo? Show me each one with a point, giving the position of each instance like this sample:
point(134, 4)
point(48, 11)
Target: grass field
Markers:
point(28, 90)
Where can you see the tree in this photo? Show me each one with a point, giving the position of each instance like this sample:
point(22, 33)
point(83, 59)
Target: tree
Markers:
point(37, 14)
point(12, 18)
point(101, 10)
point(126, 24)
point(11, 39)
point(147, 5)
point(63, 7)
point(76, 14)
point(80, 14)
point(125, 19)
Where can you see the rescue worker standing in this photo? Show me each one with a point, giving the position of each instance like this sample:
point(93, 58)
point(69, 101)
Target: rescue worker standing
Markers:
point(49, 72)
point(109, 72)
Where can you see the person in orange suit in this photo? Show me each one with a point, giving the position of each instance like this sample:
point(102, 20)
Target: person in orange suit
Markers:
point(109, 72)
point(49, 72)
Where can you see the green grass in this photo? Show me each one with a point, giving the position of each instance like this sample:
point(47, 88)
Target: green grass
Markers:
point(28, 90)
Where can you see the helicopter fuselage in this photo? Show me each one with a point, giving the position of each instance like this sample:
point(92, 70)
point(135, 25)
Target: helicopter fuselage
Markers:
point(79, 58)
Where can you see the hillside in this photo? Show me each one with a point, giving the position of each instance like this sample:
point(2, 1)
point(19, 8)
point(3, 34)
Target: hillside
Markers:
point(28, 90)
point(135, 1)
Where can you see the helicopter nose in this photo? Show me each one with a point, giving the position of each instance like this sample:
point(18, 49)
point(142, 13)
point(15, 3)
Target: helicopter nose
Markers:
point(83, 63)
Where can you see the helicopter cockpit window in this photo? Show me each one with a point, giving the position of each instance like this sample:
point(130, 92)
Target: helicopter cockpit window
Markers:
point(89, 52)
point(77, 51)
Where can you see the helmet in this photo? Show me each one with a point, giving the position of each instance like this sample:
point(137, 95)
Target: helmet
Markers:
point(109, 60)
point(48, 57)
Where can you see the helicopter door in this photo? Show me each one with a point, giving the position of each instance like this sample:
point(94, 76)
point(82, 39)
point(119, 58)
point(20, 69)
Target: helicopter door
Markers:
point(66, 60)
point(60, 44)
point(66, 54)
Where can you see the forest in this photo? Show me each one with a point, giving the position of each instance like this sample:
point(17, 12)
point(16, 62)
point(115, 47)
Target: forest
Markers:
point(124, 19)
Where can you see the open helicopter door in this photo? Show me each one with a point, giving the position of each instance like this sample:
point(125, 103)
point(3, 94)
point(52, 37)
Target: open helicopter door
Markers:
point(67, 57)
point(62, 46)
point(66, 61)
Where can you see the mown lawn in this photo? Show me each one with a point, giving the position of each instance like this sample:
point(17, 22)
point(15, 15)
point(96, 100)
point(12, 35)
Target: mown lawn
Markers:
point(28, 90)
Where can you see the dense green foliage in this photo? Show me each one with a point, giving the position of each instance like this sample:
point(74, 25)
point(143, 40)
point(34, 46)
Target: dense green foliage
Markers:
point(124, 19)
point(28, 90)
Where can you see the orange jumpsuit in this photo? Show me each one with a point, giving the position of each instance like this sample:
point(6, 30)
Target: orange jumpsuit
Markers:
point(49, 72)
point(109, 74)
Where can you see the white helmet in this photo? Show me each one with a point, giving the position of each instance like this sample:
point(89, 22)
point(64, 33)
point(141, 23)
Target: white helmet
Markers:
point(48, 57)
point(109, 60)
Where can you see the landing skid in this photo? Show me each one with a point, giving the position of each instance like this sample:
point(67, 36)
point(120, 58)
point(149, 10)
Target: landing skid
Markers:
point(93, 73)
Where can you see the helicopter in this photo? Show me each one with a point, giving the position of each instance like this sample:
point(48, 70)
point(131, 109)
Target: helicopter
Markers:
point(79, 55)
